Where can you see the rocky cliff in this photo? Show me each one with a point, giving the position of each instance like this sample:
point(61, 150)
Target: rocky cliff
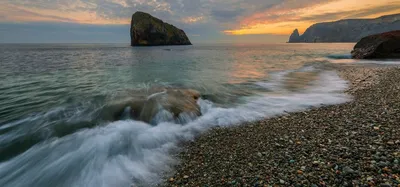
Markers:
point(147, 30)
point(349, 30)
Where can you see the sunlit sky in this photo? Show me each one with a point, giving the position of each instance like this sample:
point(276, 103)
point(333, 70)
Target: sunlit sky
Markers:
point(204, 20)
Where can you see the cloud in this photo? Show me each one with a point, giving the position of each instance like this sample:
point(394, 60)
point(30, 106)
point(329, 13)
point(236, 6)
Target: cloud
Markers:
point(226, 15)
point(16, 12)
point(394, 6)
point(278, 12)
point(168, 9)
point(349, 14)
point(233, 13)
point(62, 33)
point(197, 17)
point(305, 13)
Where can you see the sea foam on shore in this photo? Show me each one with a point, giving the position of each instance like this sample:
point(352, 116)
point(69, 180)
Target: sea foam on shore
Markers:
point(126, 152)
point(356, 143)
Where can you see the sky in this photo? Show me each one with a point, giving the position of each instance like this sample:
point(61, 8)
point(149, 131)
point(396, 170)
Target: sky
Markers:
point(204, 21)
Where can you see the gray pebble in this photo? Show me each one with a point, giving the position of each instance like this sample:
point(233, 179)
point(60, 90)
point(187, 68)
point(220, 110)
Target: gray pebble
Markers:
point(348, 171)
point(382, 164)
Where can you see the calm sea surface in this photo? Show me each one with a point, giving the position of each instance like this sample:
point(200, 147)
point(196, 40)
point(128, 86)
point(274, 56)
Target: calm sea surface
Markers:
point(52, 97)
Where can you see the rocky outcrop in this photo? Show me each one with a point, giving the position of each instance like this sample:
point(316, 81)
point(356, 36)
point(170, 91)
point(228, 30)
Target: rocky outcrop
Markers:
point(147, 30)
point(156, 105)
point(350, 30)
point(295, 37)
point(384, 45)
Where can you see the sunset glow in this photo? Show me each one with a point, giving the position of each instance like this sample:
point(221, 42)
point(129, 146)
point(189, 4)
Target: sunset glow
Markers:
point(268, 23)
point(210, 19)
point(33, 14)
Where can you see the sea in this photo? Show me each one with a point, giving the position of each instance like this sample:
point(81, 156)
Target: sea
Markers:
point(53, 98)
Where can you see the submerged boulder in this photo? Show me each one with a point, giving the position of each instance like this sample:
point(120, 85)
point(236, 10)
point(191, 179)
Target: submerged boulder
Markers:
point(384, 45)
point(171, 104)
point(147, 30)
point(158, 105)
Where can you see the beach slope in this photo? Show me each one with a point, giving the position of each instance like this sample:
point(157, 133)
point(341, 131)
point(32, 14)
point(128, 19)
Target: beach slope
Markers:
point(356, 143)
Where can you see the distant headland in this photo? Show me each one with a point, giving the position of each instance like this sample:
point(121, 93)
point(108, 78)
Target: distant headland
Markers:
point(348, 30)
point(147, 30)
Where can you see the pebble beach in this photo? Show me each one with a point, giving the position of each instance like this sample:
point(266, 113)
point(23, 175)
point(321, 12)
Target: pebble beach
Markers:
point(351, 144)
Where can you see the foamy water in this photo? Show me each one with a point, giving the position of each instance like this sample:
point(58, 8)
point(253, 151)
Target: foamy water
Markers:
point(347, 59)
point(52, 132)
point(129, 152)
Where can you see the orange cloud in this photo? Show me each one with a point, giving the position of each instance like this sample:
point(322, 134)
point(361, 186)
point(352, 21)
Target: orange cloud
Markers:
point(23, 14)
point(273, 28)
point(239, 17)
point(282, 20)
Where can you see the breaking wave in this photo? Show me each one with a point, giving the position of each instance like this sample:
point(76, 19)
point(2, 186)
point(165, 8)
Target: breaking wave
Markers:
point(133, 153)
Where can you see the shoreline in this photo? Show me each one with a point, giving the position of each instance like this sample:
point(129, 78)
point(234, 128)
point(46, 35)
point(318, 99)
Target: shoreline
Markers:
point(350, 144)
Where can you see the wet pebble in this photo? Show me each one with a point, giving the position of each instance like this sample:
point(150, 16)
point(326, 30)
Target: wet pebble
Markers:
point(352, 144)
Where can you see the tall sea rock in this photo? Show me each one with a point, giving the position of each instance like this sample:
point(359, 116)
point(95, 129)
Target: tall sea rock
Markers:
point(147, 30)
point(349, 30)
point(295, 37)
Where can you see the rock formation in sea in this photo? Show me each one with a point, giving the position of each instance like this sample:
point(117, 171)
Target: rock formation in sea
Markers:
point(147, 30)
point(384, 45)
point(349, 30)
point(151, 105)
point(295, 37)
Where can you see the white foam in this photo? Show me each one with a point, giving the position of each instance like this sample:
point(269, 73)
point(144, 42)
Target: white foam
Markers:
point(275, 82)
point(128, 153)
point(41, 124)
point(380, 62)
point(346, 59)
